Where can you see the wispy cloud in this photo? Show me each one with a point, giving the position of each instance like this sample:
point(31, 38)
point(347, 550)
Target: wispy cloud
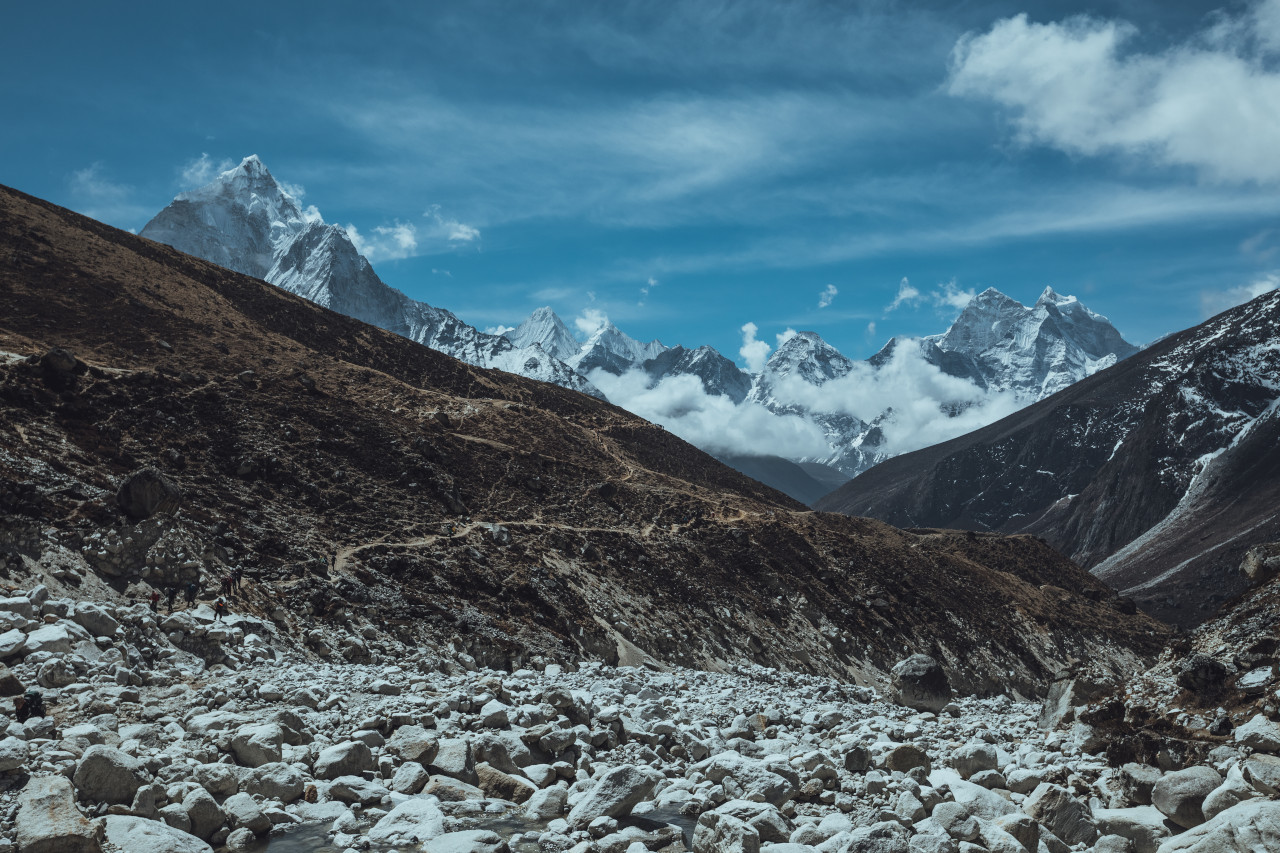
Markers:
point(98, 196)
point(907, 295)
point(827, 296)
point(1216, 301)
point(401, 240)
point(644, 290)
point(590, 321)
point(1208, 104)
point(204, 169)
point(951, 295)
point(386, 242)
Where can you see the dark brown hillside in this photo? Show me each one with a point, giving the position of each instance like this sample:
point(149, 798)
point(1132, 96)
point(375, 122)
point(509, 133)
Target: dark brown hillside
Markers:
point(331, 458)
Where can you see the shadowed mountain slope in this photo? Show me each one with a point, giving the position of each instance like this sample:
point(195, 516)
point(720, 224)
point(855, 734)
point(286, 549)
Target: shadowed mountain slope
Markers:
point(1159, 473)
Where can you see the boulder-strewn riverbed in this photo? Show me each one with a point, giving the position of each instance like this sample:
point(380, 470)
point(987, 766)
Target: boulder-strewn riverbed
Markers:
point(146, 748)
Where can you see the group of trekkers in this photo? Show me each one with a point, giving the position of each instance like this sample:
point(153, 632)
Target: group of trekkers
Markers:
point(230, 583)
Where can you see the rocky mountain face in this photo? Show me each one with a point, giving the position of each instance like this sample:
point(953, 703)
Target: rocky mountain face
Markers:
point(246, 222)
point(477, 607)
point(1158, 473)
point(1034, 352)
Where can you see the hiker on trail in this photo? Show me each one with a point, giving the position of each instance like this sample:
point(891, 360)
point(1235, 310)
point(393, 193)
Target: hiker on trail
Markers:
point(236, 575)
point(155, 600)
point(226, 585)
point(192, 589)
point(27, 706)
point(170, 593)
point(219, 609)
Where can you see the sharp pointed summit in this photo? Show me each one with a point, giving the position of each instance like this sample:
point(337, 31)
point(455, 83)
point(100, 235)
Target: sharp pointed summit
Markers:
point(245, 221)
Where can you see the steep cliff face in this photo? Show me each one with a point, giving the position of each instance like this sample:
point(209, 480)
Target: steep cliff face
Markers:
point(1156, 472)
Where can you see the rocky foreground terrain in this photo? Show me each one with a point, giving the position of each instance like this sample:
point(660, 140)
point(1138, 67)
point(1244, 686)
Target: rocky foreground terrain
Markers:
point(144, 747)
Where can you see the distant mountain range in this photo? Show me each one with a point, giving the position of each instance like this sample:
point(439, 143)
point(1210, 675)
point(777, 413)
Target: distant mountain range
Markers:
point(246, 221)
point(1158, 474)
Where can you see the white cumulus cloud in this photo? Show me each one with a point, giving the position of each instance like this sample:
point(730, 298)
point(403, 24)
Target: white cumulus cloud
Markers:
point(1208, 104)
point(499, 329)
point(951, 295)
point(386, 242)
point(590, 321)
point(827, 296)
point(755, 353)
point(711, 422)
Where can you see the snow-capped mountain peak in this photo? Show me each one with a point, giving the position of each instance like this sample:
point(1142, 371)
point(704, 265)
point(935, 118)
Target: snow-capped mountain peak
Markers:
point(614, 351)
point(245, 221)
point(808, 356)
point(544, 328)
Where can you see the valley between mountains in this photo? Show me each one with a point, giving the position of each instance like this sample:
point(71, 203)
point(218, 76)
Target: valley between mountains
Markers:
point(482, 612)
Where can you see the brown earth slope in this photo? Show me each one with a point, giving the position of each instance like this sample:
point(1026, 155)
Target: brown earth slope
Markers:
point(350, 470)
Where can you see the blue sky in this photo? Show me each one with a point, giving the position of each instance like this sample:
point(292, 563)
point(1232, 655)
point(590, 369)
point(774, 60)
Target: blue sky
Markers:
point(689, 168)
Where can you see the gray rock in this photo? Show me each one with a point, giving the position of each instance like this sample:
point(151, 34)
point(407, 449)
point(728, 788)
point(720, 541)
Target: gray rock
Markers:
point(176, 816)
point(414, 743)
point(956, 821)
point(1263, 773)
point(357, 789)
point(882, 837)
point(1233, 791)
point(546, 805)
point(1260, 735)
point(453, 758)
point(1145, 826)
point(774, 783)
point(139, 835)
point(147, 492)
point(721, 833)
point(203, 813)
point(1247, 828)
point(417, 818)
point(107, 775)
point(1060, 813)
point(615, 794)
point(49, 822)
point(974, 758)
point(95, 619)
point(466, 841)
point(503, 786)
point(218, 779)
point(13, 754)
point(59, 638)
point(275, 781)
point(1180, 795)
point(254, 746)
point(920, 682)
point(241, 840)
point(450, 790)
point(243, 810)
point(11, 642)
point(349, 758)
point(410, 778)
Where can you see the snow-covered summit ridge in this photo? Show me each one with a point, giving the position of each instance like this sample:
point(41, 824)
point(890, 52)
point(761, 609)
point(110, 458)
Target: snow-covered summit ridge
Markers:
point(246, 221)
